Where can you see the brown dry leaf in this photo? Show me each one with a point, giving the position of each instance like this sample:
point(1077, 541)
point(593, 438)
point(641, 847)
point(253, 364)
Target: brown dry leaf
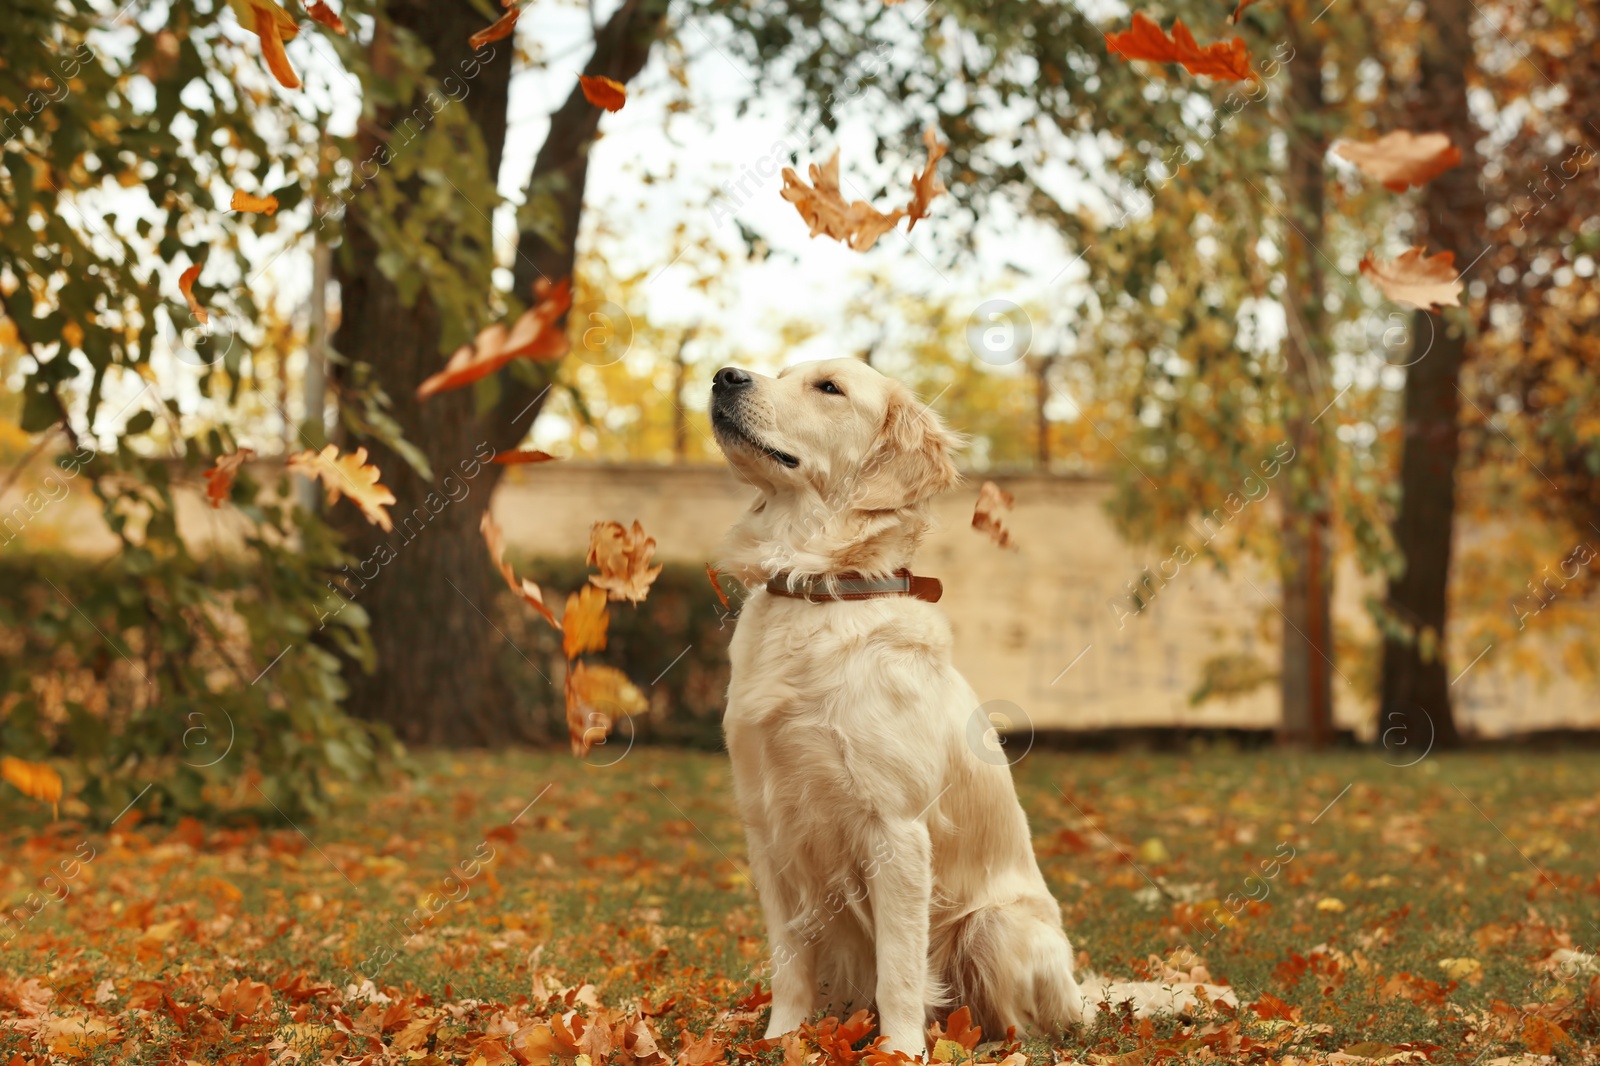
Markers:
point(243, 201)
point(1417, 280)
point(992, 499)
point(584, 622)
point(702, 1052)
point(517, 458)
point(36, 780)
point(824, 209)
point(530, 593)
point(926, 185)
point(498, 31)
point(716, 584)
point(76, 1035)
point(596, 697)
point(273, 25)
point(623, 557)
point(532, 336)
point(603, 92)
point(1402, 158)
point(219, 479)
point(348, 475)
point(322, 13)
point(186, 282)
point(1223, 60)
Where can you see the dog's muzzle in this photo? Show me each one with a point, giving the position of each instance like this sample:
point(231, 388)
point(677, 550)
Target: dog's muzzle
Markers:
point(729, 387)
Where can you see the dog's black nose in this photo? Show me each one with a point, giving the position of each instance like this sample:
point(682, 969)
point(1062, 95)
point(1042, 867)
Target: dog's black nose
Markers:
point(730, 378)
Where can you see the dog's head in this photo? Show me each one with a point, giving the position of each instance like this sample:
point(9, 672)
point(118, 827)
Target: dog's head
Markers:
point(835, 428)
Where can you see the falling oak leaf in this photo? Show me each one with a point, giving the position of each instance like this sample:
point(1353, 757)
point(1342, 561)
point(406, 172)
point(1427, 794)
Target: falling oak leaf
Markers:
point(992, 499)
point(518, 458)
point(824, 209)
point(532, 336)
point(1402, 158)
point(584, 622)
point(186, 282)
point(322, 13)
point(603, 92)
point(273, 25)
point(716, 584)
point(498, 31)
point(526, 589)
point(1417, 280)
point(33, 779)
point(596, 697)
point(348, 475)
point(219, 479)
point(243, 201)
point(623, 557)
point(926, 185)
point(1223, 60)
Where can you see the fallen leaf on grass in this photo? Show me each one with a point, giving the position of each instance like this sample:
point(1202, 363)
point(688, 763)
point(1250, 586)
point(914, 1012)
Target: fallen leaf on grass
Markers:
point(75, 1036)
point(532, 336)
point(958, 1030)
point(1402, 158)
point(1331, 904)
point(219, 479)
point(1417, 280)
point(1541, 1035)
point(347, 475)
point(992, 500)
point(322, 13)
point(518, 458)
point(273, 25)
point(1223, 60)
point(584, 622)
point(243, 201)
point(1462, 969)
point(186, 282)
point(603, 92)
point(530, 593)
point(35, 780)
point(623, 557)
point(499, 30)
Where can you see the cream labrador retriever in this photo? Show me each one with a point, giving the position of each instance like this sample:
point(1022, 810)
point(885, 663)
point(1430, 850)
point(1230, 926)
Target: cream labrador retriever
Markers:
point(891, 856)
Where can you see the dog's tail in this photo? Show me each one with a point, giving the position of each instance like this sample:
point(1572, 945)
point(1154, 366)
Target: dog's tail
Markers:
point(1012, 965)
point(1149, 997)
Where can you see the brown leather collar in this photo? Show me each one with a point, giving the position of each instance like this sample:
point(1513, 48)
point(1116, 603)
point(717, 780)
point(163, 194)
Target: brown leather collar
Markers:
point(852, 586)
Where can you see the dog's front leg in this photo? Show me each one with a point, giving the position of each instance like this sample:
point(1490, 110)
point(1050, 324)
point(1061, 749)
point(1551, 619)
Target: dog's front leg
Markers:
point(794, 965)
point(901, 887)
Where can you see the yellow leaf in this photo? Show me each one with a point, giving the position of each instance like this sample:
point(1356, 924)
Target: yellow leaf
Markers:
point(623, 558)
point(1460, 969)
point(33, 779)
point(348, 475)
point(596, 697)
point(1331, 904)
point(948, 1051)
point(584, 624)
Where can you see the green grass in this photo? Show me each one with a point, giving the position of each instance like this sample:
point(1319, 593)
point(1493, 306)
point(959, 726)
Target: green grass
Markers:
point(631, 877)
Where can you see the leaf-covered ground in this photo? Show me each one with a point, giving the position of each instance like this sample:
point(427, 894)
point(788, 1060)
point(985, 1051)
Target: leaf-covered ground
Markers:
point(526, 907)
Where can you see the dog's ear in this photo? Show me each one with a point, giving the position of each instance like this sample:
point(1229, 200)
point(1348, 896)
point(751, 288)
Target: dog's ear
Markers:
point(912, 459)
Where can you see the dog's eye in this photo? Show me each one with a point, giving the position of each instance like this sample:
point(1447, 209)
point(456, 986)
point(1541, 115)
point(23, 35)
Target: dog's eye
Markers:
point(829, 387)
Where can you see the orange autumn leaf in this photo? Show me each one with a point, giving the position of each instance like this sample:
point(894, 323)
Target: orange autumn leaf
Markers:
point(623, 558)
point(347, 475)
point(322, 13)
point(33, 779)
point(186, 282)
point(521, 457)
point(824, 209)
point(532, 336)
point(243, 201)
point(1417, 280)
point(716, 584)
point(603, 92)
point(992, 500)
point(273, 25)
point(700, 1052)
point(958, 1029)
point(926, 185)
point(596, 697)
point(219, 479)
point(1223, 60)
point(501, 29)
point(584, 622)
point(530, 593)
point(1401, 159)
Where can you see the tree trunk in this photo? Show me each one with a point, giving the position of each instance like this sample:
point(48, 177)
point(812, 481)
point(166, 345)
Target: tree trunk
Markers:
point(1415, 696)
point(428, 587)
point(1307, 650)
